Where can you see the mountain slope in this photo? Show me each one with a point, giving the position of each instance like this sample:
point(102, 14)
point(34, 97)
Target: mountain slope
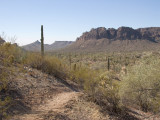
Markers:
point(36, 46)
point(58, 45)
point(1, 41)
point(121, 39)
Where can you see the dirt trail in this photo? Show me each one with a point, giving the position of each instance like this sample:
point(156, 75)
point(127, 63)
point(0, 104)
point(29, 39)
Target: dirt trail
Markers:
point(57, 105)
point(143, 115)
point(37, 94)
point(40, 96)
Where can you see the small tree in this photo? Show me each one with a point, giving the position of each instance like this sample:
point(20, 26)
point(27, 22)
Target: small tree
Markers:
point(42, 41)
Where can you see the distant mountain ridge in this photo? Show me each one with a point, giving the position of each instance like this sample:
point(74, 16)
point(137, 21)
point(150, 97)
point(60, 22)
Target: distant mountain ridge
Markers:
point(122, 33)
point(36, 46)
point(121, 39)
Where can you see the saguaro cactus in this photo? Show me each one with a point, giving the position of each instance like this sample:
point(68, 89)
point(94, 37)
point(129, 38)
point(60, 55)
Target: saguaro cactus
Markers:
point(42, 41)
point(70, 60)
point(108, 64)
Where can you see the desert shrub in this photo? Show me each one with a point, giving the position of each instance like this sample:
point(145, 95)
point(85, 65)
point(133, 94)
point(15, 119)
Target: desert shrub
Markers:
point(34, 60)
point(141, 85)
point(107, 92)
point(100, 86)
point(4, 99)
point(53, 65)
point(85, 77)
point(11, 53)
point(48, 64)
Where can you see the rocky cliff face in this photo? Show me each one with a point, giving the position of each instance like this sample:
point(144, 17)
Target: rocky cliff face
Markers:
point(121, 39)
point(152, 33)
point(122, 33)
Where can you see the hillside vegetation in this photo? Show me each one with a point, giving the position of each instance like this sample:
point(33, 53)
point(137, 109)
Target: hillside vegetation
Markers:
point(113, 81)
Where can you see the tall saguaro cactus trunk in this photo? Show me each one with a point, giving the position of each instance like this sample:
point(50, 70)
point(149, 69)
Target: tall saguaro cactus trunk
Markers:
point(42, 41)
point(108, 64)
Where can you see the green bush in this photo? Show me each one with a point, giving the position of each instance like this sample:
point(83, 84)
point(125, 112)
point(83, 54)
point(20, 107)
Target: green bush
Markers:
point(108, 91)
point(141, 85)
point(85, 77)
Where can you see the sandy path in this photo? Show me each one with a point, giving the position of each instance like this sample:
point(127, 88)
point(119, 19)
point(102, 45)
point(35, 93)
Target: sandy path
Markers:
point(55, 104)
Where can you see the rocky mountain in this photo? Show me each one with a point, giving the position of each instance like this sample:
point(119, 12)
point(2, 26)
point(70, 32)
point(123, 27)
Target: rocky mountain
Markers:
point(59, 44)
point(1, 41)
point(36, 46)
point(121, 39)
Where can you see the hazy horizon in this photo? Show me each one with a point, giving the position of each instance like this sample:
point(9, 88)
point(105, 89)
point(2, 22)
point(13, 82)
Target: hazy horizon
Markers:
point(67, 20)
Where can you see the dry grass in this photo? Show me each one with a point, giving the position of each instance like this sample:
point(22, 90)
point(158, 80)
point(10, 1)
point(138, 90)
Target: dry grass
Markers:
point(107, 88)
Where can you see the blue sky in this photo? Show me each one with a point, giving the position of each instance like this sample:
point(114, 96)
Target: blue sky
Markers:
point(68, 19)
